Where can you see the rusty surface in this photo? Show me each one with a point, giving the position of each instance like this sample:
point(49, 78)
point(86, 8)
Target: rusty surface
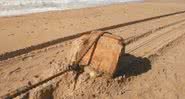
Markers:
point(104, 54)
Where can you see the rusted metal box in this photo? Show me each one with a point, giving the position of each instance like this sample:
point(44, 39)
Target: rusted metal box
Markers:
point(104, 54)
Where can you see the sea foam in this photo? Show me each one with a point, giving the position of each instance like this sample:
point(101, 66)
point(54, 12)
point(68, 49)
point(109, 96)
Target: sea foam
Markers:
point(18, 7)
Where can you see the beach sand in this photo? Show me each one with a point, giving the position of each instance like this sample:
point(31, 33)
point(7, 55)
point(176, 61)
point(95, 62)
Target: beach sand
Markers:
point(27, 30)
point(152, 68)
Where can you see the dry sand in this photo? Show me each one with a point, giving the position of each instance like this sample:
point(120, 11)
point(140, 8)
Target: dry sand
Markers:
point(24, 31)
point(151, 68)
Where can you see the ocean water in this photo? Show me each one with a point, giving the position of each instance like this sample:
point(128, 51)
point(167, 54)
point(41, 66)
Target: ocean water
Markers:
point(18, 7)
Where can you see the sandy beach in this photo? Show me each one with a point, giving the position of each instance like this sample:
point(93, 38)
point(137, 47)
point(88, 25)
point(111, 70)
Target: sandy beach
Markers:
point(35, 46)
point(24, 31)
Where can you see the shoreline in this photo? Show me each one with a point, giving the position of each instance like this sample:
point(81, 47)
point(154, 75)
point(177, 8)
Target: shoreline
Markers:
point(17, 10)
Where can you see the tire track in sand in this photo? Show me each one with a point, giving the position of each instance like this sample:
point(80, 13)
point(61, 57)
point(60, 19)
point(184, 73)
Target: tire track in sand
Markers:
point(18, 52)
point(151, 44)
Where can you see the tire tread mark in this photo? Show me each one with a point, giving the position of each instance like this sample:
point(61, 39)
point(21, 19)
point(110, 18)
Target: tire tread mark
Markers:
point(18, 52)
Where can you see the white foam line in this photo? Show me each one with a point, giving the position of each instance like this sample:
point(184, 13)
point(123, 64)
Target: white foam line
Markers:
point(19, 7)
